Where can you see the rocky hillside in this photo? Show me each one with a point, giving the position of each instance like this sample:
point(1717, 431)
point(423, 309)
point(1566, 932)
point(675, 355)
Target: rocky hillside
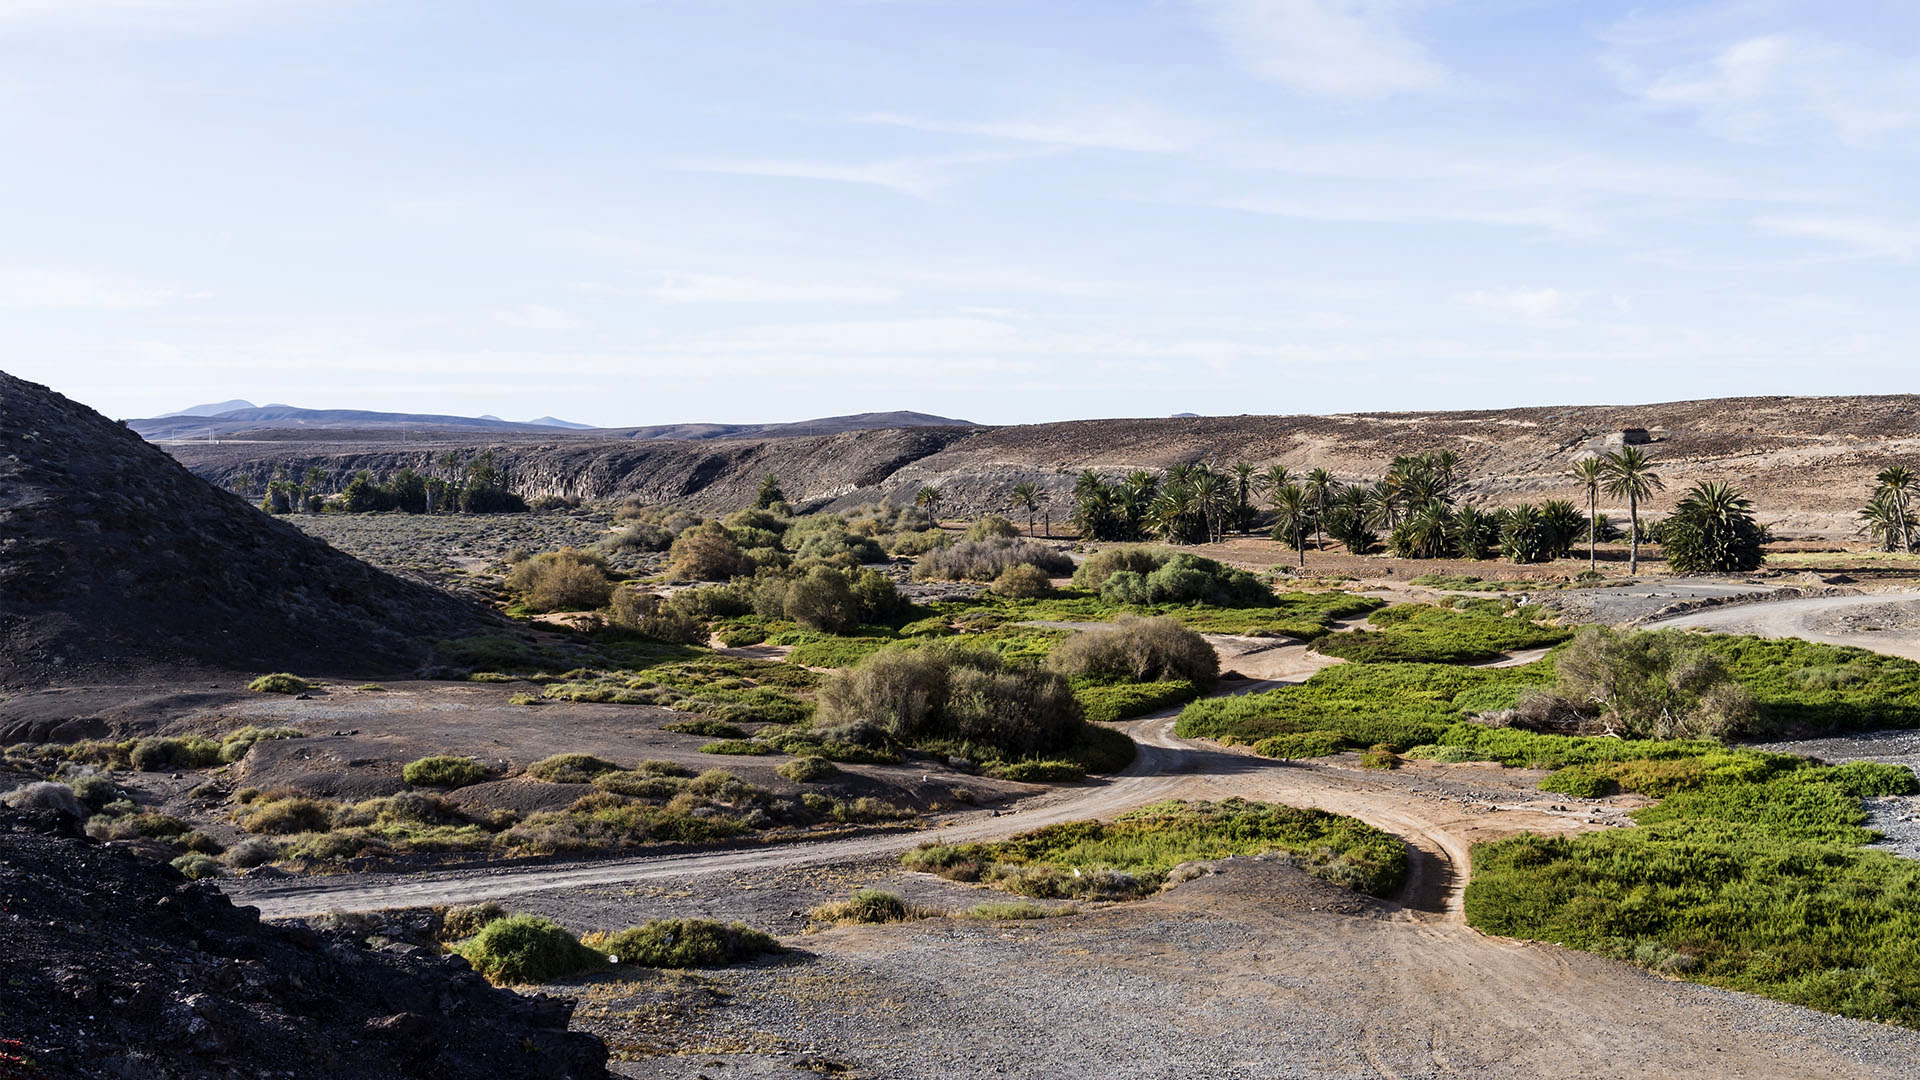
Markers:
point(1806, 462)
point(113, 557)
point(119, 967)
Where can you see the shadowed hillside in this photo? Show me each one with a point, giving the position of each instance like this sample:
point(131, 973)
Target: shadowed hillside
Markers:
point(113, 557)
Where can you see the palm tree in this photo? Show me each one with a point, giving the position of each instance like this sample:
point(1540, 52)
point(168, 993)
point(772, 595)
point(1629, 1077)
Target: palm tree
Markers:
point(1898, 482)
point(1212, 497)
point(1321, 488)
point(1243, 477)
point(1383, 502)
point(1884, 521)
point(1295, 513)
point(1425, 534)
point(1272, 480)
point(1712, 529)
point(1630, 473)
point(1591, 472)
point(928, 499)
point(1027, 495)
point(1172, 513)
point(1347, 522)
point(1135, 500)
point(1445, 466)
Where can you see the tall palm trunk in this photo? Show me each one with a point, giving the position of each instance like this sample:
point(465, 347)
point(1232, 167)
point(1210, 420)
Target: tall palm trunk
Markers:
point(1593, 510)
point(1633, 543)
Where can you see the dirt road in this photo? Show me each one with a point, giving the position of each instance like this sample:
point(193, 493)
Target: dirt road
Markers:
point(1885, 622)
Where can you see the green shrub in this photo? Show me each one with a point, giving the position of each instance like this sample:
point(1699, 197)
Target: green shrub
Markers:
point(1110, 702)
point(444, 772)
point(738, 746)
point(1654, 684)
point(1380, 756)
point(46, 795)
point(570, 768)
point(1581, 782)
point(1403, 705)
point(564, 580)
point(287, 814)
point(1305, 744)
point(1017, 910)
point(1186, 579)
point(870, 906)
point(707, 552)
point(280, 682)
point(464, 922)
point(196, 866)
point(1022, 581)
point(1103, 564)
point(1421, 633)
point(523, 949)
point(944, 692)
point(1131, 856)
point(985, 560)
point(235, 746)
point(187, 752)
point(684, 943)
point(650, 616)
point(1138, 650)
point(1446, 755)
point(1043, 772)
point(808, 770)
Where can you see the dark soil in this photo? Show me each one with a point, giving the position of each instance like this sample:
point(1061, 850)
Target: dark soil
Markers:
point(115, 559)
point(119, 967)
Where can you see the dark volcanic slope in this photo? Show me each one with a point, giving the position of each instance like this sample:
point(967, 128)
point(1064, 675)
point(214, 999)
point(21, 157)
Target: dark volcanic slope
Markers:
point(119, 967)
point(113, 556)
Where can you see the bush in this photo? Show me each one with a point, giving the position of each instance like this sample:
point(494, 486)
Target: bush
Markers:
point(1306, 744)
point(235, 746)
point(1138, 650)
point(527, 949)
point(1653, 684)
point(570, 768)
point(445, 772)
point(280, 682)
point(740, 747)
point(189, 752)
point(985, 560)
point(94, 789)
point(989, 527)
point(711, 729)
point(1107, 703)
point(1103, 564)
point(1581, 782)
point(707, 552)
point(49, 796)
point(466, 921)
point(684, 943)
point(869, 906)
point(564, 580)
point(1043, 772)
point(1379, 756)
point(946, 692)
point(808, 769)
point(1022, 582)
point(650, 616)
point(287, 814)
point(196, 866)
point(251, 852)
point(1187, 579)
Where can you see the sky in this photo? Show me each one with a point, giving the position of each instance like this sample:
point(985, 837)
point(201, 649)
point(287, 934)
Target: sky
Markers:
point(628, 212)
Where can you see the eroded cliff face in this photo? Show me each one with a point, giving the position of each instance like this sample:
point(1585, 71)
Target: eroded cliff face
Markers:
point(1806, 462)
point(114, 556)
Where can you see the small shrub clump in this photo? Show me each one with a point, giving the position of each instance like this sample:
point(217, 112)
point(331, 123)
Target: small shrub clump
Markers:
point(570, 768)
point(684, 943)
point(564, 580)
point(444, 771)
point(464, 922)
point(871, 906)
point(522, 949)
point(985, 560)
point(280, 682)
point(196, 865)
point(1022, 582)
point(808, 769)
point(1138, 650)
point(943, 692)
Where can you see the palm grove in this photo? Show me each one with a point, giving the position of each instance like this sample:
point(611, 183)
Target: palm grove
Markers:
point(1416, 511)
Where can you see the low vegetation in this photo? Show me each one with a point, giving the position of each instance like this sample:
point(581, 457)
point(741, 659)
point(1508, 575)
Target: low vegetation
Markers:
point(444, 772)
point(1131, 856)
point(1133, 649)
point(683, 943)
point(1467, 632)
point(872, 906)
point(523, 949)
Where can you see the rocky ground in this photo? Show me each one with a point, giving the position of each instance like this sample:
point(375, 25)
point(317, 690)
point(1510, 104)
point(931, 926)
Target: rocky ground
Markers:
point(145, 975)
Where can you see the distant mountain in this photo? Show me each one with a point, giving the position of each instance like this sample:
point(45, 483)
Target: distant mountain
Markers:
point(825, 425)
point(214, 409)
point(283, 417)
point(252, 420)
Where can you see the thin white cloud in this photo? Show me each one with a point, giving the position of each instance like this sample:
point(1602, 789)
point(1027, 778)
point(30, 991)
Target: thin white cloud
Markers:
point(1414, 207)
point(1332, 48)
point(1745, 76)
point(1141, 129)
point(539, 317)
point(921, 177)
point(1532, 304)
point(1867, 237)
point(724, 289)
point(37, 288)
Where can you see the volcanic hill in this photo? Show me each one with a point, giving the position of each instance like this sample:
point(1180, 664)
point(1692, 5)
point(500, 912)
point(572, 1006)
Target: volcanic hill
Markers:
point(115, 558)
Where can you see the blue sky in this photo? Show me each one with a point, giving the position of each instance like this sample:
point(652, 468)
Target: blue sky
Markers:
point(740, 210)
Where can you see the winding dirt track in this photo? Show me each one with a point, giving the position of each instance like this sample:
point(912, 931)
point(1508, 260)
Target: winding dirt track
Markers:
point(1885, 622)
